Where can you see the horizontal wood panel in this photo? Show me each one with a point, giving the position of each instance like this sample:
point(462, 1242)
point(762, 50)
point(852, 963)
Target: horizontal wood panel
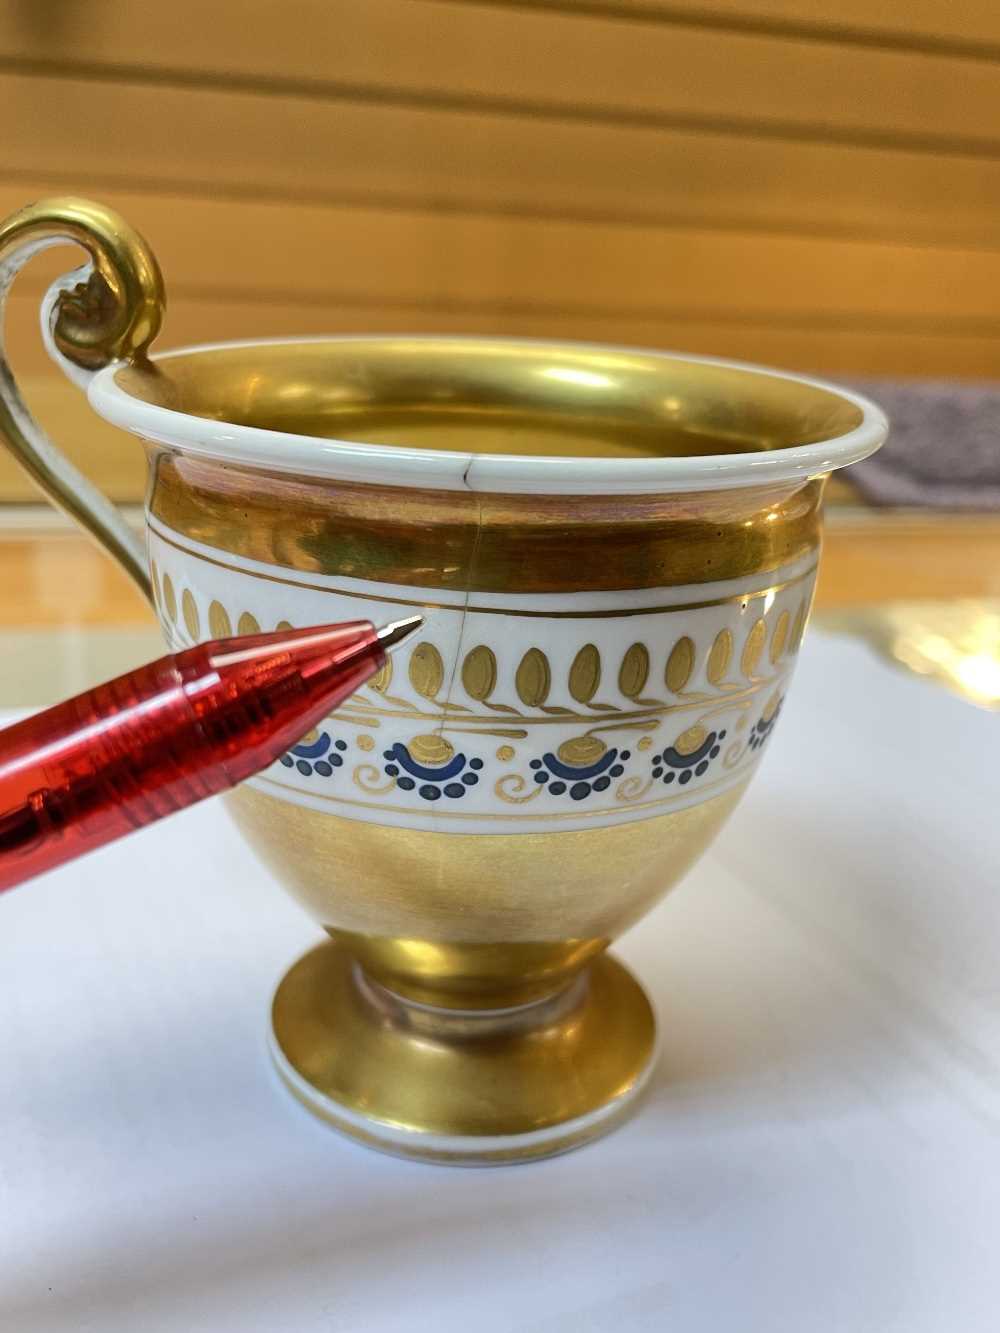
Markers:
point(113, 460)
point(859, 350)
point(965, 25)
point(60, 578)
point(86, 136)
point(882, 557)
point(221, 249)
point(563, 63)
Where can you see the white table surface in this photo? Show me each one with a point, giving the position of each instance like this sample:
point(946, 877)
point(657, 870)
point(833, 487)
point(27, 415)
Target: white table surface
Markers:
point(820, 1149)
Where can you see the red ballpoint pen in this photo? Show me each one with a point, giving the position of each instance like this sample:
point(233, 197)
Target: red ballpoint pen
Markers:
point(160, 738)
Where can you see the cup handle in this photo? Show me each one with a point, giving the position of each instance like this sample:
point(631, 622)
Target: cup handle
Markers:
point(108, 310)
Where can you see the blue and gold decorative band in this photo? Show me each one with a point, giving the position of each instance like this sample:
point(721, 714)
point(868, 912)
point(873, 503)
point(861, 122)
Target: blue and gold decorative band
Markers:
point(517, 713)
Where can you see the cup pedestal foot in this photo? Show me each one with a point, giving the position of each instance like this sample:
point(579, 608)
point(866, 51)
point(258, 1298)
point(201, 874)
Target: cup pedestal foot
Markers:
point(462, 1086)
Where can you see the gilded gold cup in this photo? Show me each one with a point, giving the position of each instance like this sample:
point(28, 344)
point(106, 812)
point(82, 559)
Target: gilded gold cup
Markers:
point(614, 552)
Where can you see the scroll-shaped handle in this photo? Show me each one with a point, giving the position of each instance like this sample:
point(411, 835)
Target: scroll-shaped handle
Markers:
point(108, 310)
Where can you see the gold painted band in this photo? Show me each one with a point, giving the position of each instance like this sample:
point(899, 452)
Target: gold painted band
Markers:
point(608, 614)
point(464, 542)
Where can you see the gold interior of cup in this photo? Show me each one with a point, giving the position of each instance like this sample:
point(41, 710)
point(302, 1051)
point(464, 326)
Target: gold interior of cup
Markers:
point(494, 396)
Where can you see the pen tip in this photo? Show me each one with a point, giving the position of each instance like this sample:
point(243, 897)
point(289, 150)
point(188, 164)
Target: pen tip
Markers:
point(392, 634)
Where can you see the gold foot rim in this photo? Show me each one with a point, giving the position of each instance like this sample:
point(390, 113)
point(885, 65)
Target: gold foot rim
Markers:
point(478, 1102)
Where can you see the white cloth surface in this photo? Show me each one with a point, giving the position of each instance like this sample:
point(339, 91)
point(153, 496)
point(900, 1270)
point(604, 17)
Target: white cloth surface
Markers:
point(820, 1149)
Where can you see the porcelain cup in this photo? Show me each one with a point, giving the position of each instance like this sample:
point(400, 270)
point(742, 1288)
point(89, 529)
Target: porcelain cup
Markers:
point(614, 552)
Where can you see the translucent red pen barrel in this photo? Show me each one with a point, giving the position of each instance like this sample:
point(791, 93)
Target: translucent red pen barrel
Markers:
point(169, 734)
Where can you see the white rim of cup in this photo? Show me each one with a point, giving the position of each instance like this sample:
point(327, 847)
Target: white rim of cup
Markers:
point(390, 464)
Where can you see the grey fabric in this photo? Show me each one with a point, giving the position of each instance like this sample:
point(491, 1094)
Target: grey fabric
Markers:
point(943, 449)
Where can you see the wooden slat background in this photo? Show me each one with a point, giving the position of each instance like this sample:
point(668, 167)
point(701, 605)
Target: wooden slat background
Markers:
point(811, 186)
point(963, 27)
